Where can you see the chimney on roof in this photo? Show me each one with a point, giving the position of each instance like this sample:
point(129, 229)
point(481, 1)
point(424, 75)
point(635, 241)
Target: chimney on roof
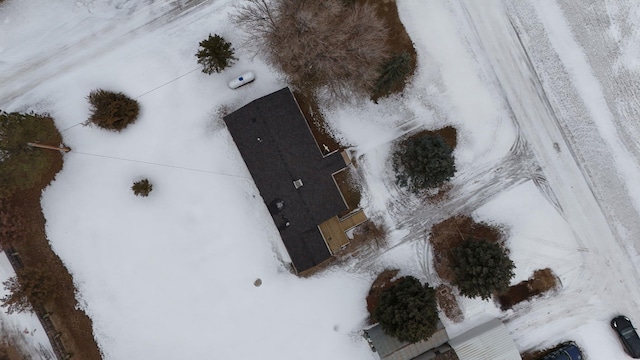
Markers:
point(297, 183)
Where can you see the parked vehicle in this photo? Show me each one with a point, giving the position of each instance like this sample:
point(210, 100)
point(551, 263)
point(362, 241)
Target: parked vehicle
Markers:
point(243, 79)
point(568, 351)
point(628, 335)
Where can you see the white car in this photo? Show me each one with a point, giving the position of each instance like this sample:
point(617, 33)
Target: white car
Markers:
point(243, 79)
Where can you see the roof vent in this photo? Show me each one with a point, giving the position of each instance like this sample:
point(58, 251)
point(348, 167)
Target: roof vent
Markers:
point(297, 183)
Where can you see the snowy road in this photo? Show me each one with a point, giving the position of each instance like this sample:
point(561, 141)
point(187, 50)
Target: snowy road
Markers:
point(608, 270)
point(593, 94)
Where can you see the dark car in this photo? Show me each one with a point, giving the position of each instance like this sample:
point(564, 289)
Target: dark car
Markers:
point(568, 351)
point(628, 335)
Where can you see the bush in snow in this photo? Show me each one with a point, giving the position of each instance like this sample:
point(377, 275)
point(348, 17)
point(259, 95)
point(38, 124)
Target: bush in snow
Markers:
point(407, 310)
point(142, 187)
point(481, 268)
point(423, 162)
point(112, 110)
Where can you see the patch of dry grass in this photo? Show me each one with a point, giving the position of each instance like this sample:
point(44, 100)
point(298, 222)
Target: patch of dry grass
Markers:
point(448, 303)
point(385, 280)
point(450, 234)
point(540, 282)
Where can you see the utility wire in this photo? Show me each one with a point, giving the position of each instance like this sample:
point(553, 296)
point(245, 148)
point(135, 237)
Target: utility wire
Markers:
point(149, 162)
point(167, 83)
point(163, 165)
point(145, 93)
point(71, 127)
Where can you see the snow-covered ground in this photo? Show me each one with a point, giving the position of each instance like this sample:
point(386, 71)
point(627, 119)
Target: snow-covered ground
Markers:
point(547, 146)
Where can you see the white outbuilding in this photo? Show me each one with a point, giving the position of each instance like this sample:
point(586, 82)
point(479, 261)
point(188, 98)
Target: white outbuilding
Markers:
point(489, 341)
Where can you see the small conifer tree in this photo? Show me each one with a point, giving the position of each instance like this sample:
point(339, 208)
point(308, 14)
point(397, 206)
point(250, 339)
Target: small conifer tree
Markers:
point(215, 54)
point(481, 268)
point(393, 75)
point(112, 110)
point(142, 187)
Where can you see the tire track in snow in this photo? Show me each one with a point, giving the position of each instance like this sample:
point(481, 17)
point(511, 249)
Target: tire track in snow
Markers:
point(609, 27)
point(471, 188)
point(564, 176)
point(540, 153)
point(59, 60)
point(577, 109)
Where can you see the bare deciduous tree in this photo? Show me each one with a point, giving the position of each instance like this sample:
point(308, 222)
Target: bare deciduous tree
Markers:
point(318, 43)
point(30, 288)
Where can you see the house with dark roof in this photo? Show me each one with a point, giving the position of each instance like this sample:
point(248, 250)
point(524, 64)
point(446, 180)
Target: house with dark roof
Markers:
point(294, 177)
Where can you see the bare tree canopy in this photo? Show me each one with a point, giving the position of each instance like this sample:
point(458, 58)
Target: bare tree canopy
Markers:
point(31, 287)
point(318, 43)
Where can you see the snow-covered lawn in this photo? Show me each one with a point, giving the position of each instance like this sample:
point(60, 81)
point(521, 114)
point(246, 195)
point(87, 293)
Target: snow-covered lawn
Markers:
point(171, 276)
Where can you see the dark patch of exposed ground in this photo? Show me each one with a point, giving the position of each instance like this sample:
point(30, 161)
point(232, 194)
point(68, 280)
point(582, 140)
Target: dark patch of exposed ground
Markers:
point(35, 251)
point(540, 282)
point(450, 234)
point(385, 280)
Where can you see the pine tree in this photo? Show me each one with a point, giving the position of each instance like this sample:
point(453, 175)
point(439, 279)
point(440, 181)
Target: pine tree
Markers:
point(408, 310)
point(481, 268)
point(215, 54)
point(423, 162)
point(393, 74)
point(142, 187)
point(112, 110)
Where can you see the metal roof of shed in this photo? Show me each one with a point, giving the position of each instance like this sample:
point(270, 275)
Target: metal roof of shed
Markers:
point(489, 341)
point(390, 348)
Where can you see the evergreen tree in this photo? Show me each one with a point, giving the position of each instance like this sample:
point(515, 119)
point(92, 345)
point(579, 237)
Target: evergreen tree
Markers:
point(423, 162)
point(142, 187)
point(22, 165)
point(408, 310)
point(112, 110)
point(481, 268)
point(215, 54)
point(393, 74)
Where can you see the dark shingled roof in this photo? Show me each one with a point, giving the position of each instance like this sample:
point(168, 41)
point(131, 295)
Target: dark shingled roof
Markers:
point(278, 148)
